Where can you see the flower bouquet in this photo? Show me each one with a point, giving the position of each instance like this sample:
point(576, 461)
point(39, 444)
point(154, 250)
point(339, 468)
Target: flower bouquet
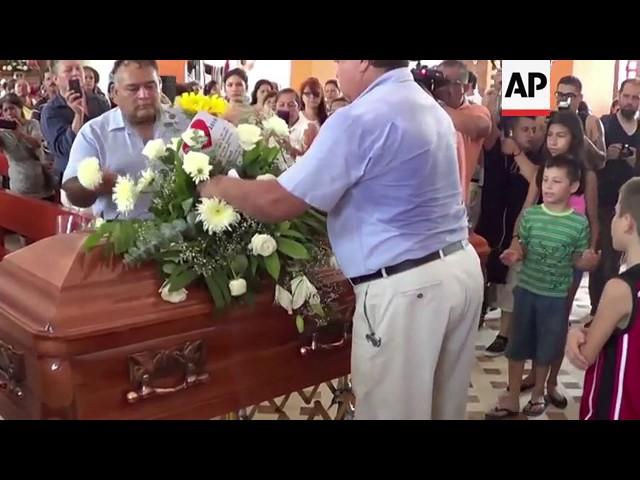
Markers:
point(206, 240)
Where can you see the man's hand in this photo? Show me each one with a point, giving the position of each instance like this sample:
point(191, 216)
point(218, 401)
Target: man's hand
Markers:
point(76, 102)
point(108, 182)
point(209, 189)
point(576, 337)
point(613, 152)
point(510, 147)
point(511, 256)
point(490, 100)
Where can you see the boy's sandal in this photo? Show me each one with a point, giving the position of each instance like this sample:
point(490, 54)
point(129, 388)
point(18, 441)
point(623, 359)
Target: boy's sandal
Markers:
point(558, 400)
point(499, 413)
point(534, 409)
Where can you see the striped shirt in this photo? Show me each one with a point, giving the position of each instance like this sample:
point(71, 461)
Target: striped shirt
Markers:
point(551, 241)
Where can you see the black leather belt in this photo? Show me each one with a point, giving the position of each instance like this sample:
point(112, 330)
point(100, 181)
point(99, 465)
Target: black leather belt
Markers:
point(409, 264)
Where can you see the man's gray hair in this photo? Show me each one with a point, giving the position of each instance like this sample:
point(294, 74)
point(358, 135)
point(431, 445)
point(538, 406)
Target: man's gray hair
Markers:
point(55, 64)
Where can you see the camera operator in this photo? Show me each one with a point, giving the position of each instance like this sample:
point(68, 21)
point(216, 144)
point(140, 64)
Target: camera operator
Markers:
point(471, 120)
point(622, 136)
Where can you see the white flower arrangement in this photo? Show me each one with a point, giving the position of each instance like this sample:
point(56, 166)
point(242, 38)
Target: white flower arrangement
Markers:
point(249, 135)
point(89, 173)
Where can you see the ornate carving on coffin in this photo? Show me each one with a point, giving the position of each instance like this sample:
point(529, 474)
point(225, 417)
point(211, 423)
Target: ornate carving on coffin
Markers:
point(12, 370)
point(147, 368)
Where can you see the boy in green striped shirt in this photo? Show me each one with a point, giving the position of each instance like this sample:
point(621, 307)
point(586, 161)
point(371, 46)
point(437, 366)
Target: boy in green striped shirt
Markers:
point(554, 240)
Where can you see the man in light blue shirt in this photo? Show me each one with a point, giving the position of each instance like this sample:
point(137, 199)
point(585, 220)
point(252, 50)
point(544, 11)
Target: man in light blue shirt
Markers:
point(118, 137)
point(385, 169)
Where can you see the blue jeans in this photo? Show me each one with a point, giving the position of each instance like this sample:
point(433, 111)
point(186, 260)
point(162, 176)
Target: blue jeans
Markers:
point(538, 329)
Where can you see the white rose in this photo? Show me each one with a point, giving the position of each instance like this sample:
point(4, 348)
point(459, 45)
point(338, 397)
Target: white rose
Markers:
point(172, 297)
point(266, 176)
point(238, 287)
point(263, 244)
point(89, 173)
point(302, 289)
point(283, 298)
point(248, 135)
point(276, 125)
point(194, 137)
point(154, 149)
point(233, 173)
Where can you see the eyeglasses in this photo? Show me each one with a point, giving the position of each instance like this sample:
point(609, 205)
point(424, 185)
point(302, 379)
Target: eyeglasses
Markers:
point(566, 95)
point(311, 94)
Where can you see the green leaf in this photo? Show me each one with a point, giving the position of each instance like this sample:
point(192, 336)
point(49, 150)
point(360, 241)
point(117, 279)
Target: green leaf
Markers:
point(223, 284)
point(251, 156)
point(186, 205)
point(272, 264)
point(214, 291)
point(292, 248)
point(317, 309)
point(254, 264)
point(239, 265)
point(92, 241)
point(182, 280)
point(293, 233)
point(271, 154)
point(283, 226)
point(168, 268)
point(300, 323)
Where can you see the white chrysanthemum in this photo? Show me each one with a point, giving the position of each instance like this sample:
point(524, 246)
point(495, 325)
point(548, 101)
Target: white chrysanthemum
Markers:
point(125, 194)
point(175, 143)
point(154, 149)
point(194, 137)
point(216, 215)
point(266, 176)
point(89, 173)
point(248, 135)
point(146, 179)
point(196, 164)
point(277, 126)
point(263, 244)
point(238, 287)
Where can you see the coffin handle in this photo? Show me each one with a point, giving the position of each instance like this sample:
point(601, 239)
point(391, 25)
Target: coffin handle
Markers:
point(186, 361)
point(316, 345)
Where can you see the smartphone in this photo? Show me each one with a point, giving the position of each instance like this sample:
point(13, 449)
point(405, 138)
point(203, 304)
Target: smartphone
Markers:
point(74, 86)
point(284, 115)
point(8, 124)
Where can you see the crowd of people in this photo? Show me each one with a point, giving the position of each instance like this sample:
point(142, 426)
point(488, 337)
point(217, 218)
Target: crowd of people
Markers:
point(405, 188)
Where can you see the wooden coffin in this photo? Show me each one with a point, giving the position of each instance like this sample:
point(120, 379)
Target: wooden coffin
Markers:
point(86, 338)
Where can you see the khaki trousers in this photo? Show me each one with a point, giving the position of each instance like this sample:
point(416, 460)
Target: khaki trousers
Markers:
point(426, 320)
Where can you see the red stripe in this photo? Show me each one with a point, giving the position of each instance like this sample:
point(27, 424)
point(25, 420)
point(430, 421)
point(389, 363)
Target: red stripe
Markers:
point(525, 113)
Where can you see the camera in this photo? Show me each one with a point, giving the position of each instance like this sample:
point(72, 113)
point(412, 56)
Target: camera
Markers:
point(625, 151)
point(430, 79)
point(564, 104)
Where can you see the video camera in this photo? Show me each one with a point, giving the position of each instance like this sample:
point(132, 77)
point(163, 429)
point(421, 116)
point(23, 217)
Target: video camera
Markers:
point(430, 79)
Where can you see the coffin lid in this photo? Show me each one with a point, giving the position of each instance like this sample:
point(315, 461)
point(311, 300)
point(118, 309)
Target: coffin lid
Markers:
point(54, 288)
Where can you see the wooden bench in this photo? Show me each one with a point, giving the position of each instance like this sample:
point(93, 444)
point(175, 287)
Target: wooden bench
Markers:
point(31, 218)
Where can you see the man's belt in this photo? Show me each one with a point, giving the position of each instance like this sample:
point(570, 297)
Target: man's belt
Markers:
point(409, 264)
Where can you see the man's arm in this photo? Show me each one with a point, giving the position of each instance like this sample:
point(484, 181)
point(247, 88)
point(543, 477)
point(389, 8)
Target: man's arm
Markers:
point(594, 145)
point(615, 305)
point(264, 200)
point(82, 148)
point(473, 121)
point(319, 178)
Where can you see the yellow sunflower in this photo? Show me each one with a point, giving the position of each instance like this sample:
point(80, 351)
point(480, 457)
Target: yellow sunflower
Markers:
point(193, 103)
